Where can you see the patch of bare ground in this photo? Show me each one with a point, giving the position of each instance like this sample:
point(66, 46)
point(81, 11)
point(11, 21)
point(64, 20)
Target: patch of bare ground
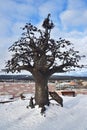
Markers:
point(15, 89)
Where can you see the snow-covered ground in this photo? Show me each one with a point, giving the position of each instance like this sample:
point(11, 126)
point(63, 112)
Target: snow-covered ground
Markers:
point(73, 116)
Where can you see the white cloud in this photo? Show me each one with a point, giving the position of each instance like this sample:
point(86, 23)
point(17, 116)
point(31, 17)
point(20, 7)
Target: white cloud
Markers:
point(75, 15)
point(53, 7)
point(73, 18)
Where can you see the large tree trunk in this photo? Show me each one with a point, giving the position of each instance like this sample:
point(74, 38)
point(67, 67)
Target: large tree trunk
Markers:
point(41, 93)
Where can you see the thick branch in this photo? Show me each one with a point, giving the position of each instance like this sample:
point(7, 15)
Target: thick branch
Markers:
point(61, 68)
point(56, 69)
point(18, 68)
point(25, 67)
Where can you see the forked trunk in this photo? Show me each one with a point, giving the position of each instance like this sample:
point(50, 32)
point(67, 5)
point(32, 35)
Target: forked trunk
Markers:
point(41, 92)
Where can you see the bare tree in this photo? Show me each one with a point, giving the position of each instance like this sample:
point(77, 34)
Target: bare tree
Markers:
point(41, 55)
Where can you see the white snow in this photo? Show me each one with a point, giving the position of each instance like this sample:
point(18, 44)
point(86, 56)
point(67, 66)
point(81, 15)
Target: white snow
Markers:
point(73, 116)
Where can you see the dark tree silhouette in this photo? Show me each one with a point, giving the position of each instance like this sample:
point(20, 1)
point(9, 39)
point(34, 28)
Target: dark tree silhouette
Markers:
point(41, 55)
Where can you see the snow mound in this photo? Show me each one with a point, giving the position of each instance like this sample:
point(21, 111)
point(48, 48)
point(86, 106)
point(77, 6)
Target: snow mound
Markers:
point(73, 116)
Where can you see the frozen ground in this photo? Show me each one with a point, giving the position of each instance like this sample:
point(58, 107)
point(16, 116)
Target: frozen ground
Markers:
point(73, 116)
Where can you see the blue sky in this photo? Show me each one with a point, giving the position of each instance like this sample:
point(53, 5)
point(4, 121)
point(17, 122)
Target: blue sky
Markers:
point(69, 17)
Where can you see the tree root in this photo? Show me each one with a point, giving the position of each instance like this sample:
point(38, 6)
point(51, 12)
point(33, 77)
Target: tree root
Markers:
point(56, 97)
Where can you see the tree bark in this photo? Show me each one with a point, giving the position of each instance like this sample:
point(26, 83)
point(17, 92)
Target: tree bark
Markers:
point(41, 92)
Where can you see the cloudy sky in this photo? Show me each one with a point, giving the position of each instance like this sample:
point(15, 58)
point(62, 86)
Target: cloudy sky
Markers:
point(69, 17)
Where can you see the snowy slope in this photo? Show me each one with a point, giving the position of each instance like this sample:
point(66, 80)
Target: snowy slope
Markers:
point(73, 116)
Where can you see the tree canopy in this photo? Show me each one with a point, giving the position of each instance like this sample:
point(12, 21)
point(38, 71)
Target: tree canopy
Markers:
point(36, 50)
